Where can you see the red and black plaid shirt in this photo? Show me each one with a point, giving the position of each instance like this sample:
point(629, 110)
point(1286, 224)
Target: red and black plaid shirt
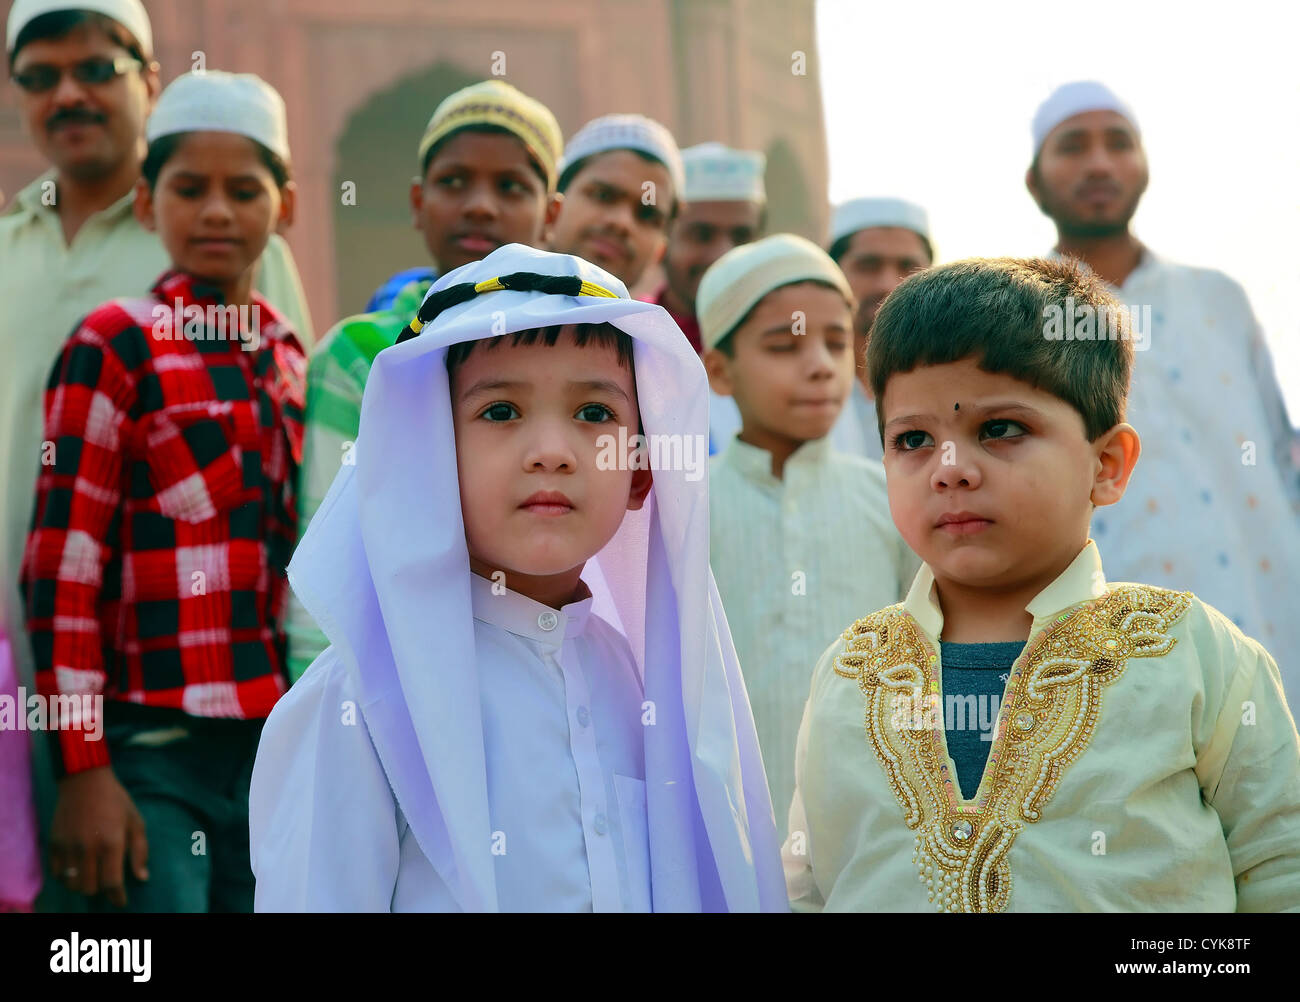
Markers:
point(165, 513)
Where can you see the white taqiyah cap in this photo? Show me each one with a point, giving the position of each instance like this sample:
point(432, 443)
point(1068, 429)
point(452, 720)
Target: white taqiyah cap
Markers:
point(627, 132)
point(1073, 99)
point(215, 101)
point(717, 173)
point(866, 213)
point(735, 282)
point(130, 14)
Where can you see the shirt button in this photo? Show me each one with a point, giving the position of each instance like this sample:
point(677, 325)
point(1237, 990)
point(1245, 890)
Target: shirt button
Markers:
point(548, 621)
point(600, 824)
point(584, 718)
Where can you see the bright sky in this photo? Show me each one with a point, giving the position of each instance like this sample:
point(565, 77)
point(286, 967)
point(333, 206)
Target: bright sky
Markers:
point(933, 101)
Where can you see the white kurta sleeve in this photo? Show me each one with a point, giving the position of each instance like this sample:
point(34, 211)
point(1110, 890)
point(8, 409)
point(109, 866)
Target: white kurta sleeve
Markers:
point(796, 856)
point(1282, 436)
point(1250, 774)
point(322, 819)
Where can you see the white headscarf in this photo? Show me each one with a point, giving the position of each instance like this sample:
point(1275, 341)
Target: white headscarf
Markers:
point(384, 570)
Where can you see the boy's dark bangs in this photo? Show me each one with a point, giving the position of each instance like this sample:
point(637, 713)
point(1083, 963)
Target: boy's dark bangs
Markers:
point(993, 312)
point(606, 335)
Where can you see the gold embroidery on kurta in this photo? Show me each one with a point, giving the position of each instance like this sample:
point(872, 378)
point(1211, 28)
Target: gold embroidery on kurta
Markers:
point(1048, 715)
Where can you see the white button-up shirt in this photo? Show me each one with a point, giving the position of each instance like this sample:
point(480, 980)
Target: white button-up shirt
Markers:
point(564, 750)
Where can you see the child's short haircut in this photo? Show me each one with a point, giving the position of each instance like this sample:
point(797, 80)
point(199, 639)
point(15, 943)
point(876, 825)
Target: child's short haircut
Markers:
point(999, 311)
point(162, 149)
point(606, 335)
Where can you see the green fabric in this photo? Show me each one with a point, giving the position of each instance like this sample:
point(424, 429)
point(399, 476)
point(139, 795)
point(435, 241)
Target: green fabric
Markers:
point(336, 380)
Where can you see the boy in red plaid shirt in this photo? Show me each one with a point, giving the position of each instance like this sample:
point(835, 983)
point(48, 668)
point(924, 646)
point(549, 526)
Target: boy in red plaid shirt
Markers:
point(154, 573)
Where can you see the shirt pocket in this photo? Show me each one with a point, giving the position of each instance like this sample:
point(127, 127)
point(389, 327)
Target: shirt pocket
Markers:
point(195, 462)
point(636, 840)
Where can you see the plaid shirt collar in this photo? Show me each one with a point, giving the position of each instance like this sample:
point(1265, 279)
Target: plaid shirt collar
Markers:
point(278, 357)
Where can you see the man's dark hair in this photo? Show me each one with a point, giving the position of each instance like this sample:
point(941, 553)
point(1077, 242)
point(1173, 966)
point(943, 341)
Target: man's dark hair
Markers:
point(606, 335)
point(487, 129)
point(572, 171)
point(59, 23)
point(162, 148)
point(997, 312)
point(840, 247)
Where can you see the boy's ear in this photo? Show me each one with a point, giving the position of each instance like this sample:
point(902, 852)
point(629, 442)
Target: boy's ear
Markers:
point(715, 364)
point(142, 207)
point(1117, 451)
point(1031, 182)
point(417, 200)
point(642, 481)
point(552, 214)
point(288, 207)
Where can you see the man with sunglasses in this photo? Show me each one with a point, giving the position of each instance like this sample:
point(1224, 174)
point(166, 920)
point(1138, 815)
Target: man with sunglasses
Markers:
point(69, 241)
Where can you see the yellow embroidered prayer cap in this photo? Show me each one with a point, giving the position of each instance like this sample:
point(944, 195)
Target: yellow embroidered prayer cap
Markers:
point(495, 102)
point(735, 282)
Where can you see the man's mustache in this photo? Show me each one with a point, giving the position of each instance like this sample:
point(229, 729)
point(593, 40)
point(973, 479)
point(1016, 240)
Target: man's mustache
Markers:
point(75, 116)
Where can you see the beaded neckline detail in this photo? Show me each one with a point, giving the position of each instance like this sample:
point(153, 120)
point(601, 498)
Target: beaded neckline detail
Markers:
point(1048, 716)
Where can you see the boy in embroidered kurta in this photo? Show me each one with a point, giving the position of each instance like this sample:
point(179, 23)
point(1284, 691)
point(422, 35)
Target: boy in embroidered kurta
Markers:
point(1143, 756)
point(799, 535)
point(530, 700)
point(487, 178)
point(154, 573)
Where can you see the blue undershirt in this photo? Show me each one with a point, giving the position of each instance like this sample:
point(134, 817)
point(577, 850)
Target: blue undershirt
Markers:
point(974, 678)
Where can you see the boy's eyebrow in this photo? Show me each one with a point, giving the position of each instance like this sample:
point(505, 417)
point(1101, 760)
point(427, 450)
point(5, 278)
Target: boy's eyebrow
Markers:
point(600, 385)
point(589, 385)
point(1001, 406)
point(190, 175)
point(492, 385)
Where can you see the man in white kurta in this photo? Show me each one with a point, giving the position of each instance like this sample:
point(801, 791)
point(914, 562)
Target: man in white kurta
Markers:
point(460, 747)
point(796, 558)
point(1214, 504)
point(1143, 760)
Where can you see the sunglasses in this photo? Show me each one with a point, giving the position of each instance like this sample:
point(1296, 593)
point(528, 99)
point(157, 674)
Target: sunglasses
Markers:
point(97, 71)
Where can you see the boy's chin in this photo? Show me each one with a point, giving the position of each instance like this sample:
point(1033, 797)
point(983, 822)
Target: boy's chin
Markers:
point(971, 565)
point(802, 431)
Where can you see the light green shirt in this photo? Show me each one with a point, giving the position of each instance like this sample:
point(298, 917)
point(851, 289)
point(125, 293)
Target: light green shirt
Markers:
point(795, 560)
point(46, 287)
point(336, 381)
point(1143, 760)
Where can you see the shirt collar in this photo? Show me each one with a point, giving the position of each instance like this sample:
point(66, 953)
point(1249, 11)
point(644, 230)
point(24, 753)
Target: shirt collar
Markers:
point(520, 615)
point(175, 286)
point(756, 463)
point(31, 200)
point(1148, 264)
point(1082, 581)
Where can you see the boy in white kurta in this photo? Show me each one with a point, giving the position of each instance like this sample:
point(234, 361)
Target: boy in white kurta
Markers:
point(530, 701)
point(799, 534)
point(1143, 757)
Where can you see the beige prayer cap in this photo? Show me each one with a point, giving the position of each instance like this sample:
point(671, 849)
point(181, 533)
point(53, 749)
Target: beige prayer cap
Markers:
point(497, 103)
point(735, 282)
